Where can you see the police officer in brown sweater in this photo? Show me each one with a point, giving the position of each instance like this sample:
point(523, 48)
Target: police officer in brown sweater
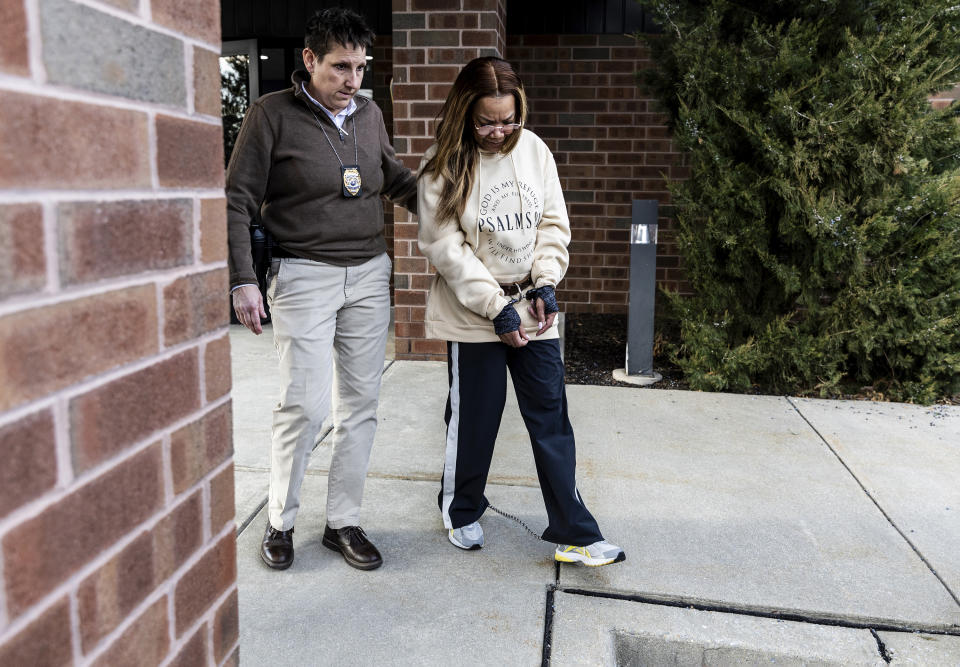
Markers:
point(314, 160)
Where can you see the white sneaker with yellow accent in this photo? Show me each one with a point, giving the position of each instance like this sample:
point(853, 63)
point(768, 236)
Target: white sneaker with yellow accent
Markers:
point(468, 537)
point(593, 555)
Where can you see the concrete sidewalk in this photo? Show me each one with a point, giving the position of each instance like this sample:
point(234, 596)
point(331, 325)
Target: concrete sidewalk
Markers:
point(757, 529)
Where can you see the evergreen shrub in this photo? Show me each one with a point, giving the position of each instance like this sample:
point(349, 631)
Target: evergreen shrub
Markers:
point(820, 225)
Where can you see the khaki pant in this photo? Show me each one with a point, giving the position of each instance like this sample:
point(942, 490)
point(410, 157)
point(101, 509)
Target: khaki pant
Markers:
point(324, 315)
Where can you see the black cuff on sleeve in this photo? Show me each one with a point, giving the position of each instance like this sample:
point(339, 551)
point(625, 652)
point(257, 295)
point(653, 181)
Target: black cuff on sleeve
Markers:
point(508, 320)
point(549, 298)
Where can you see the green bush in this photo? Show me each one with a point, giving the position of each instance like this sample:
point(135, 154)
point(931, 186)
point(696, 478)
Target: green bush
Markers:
point(820, 225)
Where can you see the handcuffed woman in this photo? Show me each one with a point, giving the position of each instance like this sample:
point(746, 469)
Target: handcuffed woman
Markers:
point(494, 224)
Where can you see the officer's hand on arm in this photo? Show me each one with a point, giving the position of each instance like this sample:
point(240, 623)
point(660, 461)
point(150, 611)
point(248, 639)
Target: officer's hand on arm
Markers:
point(248, 304)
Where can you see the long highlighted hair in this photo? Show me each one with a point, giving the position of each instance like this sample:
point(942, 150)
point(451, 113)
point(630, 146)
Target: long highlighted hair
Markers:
point(457, 150)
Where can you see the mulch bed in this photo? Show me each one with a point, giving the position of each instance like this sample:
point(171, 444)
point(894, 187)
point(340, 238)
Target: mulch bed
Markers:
point(595, 344)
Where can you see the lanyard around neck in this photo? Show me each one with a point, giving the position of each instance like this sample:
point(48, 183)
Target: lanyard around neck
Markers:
point(356, 148)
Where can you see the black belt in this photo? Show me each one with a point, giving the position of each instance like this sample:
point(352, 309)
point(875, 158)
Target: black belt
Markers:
point(278, 252)
point(515, 288)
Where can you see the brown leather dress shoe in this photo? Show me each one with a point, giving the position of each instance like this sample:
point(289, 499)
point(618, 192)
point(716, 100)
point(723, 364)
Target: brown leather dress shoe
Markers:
point(353, 545)
point(276, 549)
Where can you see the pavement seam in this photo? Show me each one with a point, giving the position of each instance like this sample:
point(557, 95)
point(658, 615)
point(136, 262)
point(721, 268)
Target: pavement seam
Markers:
point(408, 477)
point(426, 477)
point(249, 519)
point(851, 622)
point(877, 504)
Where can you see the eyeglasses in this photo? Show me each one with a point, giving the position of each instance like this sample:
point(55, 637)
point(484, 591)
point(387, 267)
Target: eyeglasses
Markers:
point(487, 130)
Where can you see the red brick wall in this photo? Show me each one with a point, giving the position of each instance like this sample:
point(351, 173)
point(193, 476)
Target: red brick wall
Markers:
point(117, 544)
point(611, 147)
point(432, 40)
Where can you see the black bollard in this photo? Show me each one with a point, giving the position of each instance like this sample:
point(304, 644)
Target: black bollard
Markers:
point(643, 284)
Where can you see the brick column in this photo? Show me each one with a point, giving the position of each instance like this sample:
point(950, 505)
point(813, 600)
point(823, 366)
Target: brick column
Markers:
point(117, 544)
point(432, 40)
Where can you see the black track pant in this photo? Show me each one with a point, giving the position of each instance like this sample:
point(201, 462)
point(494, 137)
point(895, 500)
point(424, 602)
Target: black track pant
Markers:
point(478, 389)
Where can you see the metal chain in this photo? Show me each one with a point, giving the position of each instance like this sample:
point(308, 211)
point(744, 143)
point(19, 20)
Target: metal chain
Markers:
point(517, 519)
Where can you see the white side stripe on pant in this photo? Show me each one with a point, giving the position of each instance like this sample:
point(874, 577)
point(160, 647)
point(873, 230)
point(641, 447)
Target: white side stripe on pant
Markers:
point(450, 454)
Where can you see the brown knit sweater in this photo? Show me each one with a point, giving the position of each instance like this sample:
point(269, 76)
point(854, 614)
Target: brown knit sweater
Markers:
point(283, 167)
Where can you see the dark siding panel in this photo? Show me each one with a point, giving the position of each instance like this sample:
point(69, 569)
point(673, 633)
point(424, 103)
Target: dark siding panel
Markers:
point(371, 10)
point(550, 21)
point(633, 16)
point(570, 16)
point(261, 17)
point(244, 26)
point(575, 17)
point(279, 18)
point(244, 19)
point(228, 13)
point(297, 16)
point(593, 16)
point(614, 15)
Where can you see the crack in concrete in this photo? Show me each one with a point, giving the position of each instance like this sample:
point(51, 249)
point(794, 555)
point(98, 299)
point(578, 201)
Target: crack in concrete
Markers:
point(548, 615)
point(881, 647)
point(758, 611)
point(886, 516)
point(548, 627)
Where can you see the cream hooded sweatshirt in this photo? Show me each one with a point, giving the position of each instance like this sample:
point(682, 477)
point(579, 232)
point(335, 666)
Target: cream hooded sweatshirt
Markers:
point(514, 227)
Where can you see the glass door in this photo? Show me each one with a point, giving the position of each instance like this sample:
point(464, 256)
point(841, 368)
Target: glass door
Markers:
point(239, 86)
